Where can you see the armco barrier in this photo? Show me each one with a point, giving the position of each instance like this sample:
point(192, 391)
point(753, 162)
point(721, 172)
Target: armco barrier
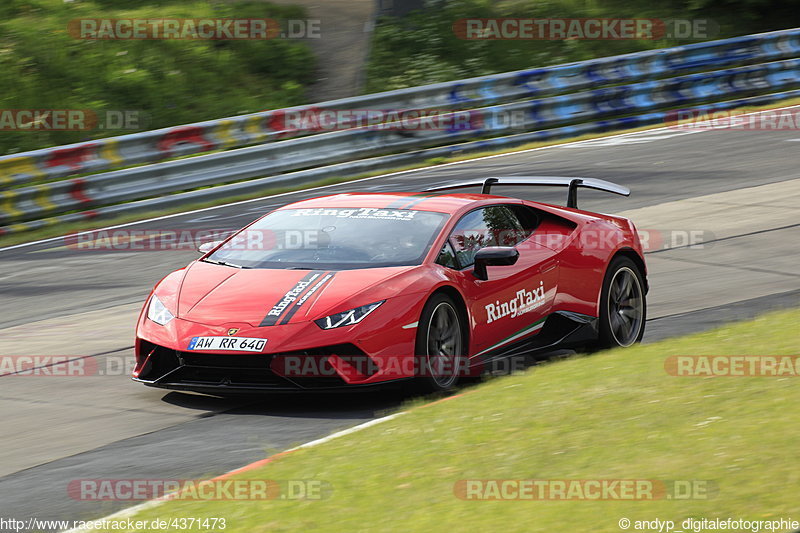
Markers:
point(37, 201)
point(41, 200)
point(386, 163)
point(158, 145)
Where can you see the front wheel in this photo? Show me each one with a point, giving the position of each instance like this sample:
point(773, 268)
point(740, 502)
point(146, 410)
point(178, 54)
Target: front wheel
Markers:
point(440, 345)
point(623, 308)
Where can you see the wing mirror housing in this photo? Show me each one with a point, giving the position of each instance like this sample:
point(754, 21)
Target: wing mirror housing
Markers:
point(208, 246)
point(493, 256)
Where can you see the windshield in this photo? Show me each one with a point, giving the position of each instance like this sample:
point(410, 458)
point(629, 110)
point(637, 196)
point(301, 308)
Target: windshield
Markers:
point(333, 238)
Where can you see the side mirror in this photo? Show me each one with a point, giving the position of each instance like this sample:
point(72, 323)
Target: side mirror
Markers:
point(493, 256)
point(208, 246)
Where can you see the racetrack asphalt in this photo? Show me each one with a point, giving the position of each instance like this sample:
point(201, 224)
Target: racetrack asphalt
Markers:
point(60, 301)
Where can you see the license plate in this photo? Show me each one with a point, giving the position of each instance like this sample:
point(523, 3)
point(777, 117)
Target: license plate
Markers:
point(227, 344)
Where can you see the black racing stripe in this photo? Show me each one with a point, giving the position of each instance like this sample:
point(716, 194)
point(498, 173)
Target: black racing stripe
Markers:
point(417, 201)
point(302, 300)
point(286, 300)
point(403, 200)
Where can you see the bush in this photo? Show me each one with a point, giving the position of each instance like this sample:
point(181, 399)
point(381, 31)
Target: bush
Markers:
point(171, 82)
point(422, 48)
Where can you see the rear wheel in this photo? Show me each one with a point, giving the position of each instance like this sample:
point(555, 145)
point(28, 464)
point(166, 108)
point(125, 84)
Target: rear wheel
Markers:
point(440, 345)
point(623, 308)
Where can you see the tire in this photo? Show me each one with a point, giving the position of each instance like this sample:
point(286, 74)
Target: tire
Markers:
point(441, 329)
point(623, 306)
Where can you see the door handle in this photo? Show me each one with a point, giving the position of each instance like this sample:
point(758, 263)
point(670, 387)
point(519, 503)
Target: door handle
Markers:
point(547, 267)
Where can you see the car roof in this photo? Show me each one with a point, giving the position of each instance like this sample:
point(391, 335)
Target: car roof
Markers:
point(421, 201)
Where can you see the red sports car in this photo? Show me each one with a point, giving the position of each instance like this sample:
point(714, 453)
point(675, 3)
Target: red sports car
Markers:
point(360, 289)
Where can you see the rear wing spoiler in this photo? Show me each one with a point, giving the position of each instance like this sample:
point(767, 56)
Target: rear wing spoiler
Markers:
point(553, 181)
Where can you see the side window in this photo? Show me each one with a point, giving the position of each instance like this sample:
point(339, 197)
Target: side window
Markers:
point(447, 257)
point(528, 217)
point(488, 226)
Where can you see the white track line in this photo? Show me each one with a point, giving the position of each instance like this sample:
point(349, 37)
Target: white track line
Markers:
point(241, 202)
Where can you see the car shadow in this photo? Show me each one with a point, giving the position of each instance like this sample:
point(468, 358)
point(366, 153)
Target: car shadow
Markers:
point(338, 405)
point(359, 404)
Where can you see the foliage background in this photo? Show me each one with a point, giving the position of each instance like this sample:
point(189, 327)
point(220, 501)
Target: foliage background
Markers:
point(171, 82)
point(422, 48)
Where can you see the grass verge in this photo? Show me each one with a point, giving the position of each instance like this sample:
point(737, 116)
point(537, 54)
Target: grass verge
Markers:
point(613, 415)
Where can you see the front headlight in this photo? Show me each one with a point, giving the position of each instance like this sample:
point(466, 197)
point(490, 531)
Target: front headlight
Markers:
point(158, 312)
point(347, 318)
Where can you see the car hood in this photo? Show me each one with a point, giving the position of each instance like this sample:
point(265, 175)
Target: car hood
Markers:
point(214, 294)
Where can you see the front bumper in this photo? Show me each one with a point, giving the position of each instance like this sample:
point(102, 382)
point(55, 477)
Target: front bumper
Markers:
point(297, 357)
point(318, 369)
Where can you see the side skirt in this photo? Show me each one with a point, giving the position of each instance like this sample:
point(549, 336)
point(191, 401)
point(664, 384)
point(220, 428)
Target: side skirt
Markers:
point(561, 329)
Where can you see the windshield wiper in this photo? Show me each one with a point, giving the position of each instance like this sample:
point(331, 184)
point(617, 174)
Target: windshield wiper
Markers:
point(223, 263)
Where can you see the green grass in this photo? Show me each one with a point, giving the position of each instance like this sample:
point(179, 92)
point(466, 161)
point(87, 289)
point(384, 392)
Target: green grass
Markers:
point(422, 47)
point(613, 415)
point(170, 82)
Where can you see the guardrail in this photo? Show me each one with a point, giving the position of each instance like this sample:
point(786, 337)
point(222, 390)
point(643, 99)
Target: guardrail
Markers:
point(158, 145)
point(536, 95)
